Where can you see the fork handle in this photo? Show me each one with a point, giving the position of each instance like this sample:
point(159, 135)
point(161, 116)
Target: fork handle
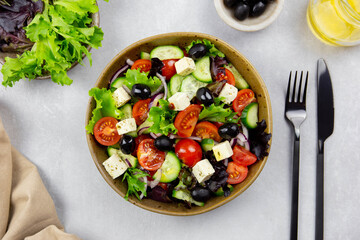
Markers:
point(295, 190)
point(319, 216)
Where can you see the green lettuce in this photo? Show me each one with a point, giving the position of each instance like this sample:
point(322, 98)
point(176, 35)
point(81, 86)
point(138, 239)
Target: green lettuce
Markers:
point(212, 50)
point(137, 77)
point(132, 176)
point(60, 35)
point(162, 118)
point(105, 107)
point(217, 113)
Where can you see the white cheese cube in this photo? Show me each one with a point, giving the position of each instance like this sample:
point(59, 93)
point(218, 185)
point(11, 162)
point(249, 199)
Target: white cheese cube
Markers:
point(203, 170)
point(229, 92)
point(180, 101)
point(120, 97)
point(115, 166)
point(126, 125)
point(222, 151)
point(185, 66)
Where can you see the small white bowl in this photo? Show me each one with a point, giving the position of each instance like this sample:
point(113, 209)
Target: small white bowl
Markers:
point(250, 24)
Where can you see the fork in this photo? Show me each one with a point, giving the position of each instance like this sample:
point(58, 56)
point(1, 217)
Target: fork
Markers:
point(295, 112)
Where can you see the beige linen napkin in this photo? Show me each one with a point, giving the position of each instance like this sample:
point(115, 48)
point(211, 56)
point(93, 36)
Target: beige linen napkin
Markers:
point(26, 208)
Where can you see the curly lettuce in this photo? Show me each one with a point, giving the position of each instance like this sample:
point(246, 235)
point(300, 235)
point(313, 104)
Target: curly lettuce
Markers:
point(162, 118)
point(212, 50)
point(217, 113)
point(136, 77)
point(135, 185)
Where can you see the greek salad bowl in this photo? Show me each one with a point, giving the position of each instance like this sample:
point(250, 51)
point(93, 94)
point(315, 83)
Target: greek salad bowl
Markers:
point(179, 123)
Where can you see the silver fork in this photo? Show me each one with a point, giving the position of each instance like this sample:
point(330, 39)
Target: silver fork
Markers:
point(295, 112)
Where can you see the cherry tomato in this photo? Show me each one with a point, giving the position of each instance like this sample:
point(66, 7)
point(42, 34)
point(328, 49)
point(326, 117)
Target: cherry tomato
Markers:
point(169, 70)
point(243, 98)
point(189, 151)
point(237, 173)
point(140, 111)
point(206, 130)
point(186, 120)
point(228, 76)
point(143, 64)
point(242, 156)
point(218, 124)
point(138, 140)
point(149, 156)
point(105, 131)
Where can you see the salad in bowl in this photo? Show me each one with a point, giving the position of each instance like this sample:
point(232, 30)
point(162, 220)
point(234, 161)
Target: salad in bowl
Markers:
point(178, 124)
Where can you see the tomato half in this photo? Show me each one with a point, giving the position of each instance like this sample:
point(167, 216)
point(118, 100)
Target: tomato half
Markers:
point(140, 111)
point(228, 76)
point(206, 130)
point(105, 131)
point(169, 70)
point(138, 140)
point(143, 64)
point(237, 173)
point(243, 98)
point(242, 156)
point(189, 151)
point(186, 120)
point(149, 156)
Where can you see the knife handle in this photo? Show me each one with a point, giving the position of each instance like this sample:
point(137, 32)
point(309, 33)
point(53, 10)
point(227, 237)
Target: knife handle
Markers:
point(295, 190)
point(319, 216)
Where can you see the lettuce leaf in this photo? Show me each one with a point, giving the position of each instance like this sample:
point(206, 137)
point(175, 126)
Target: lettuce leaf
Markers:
point(212, 50)
point(105, 107)
point(132, 176)
point(137, 77)
point(217, 113)
point(162, 118)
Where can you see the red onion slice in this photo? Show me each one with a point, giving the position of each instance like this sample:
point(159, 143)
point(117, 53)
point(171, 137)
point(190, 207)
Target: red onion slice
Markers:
point(155, 100)
point(245, 131)
point(119, 72)
point(128, 163)
point(233, 142)
point(142, 130)
point(128, 61)
point(195, 138)
point(163, 80)
point(155, 135)
point(158, 90)
point(247, 145)
point(154, 183)
point(127, 90)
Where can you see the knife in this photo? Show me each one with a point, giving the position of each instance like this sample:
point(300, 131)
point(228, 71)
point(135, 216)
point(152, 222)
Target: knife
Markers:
point(325, 108)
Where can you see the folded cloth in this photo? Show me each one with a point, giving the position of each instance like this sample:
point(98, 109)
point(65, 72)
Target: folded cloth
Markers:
point(26, 209)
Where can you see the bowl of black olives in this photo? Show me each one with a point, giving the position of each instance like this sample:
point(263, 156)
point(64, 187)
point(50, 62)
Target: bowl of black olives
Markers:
point(248, 15)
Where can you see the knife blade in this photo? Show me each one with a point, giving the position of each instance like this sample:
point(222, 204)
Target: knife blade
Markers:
point(325, 115)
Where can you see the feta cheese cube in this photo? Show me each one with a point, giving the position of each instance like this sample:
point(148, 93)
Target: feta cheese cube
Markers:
point(203, 170)
point(115, 166)
point(180, 101)
point(126, 126)
point(120, 97)
point(185, 66)
point(222, 151)
point(229, 92)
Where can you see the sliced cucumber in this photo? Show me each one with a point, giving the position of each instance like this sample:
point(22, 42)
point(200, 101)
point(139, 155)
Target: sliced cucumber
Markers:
point(133, 134)
point(127, 110)
point(185, 196)
point(207, 144)
point(119, 82)
point(220, 191)
point(249, 116)
point(170, 169)
point(190, 85)
point(167, 52)
point(111, 151)
point(240, 82)
point(146, 124)
point(202, 70)
point(130, 158)
point(175, 83)
point(145, 55)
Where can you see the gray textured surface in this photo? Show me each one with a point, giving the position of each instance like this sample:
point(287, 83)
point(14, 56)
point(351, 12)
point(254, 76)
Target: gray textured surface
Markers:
point(46, 123)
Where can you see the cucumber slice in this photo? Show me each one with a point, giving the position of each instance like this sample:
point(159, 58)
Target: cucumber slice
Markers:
point(111, 151)
point(185, 196)
point(167, 52)
point(145, 55)
point(131, 159)
point(175, 83)
point(127, 110)
point(207, 144)
point(249, 116)
point(202, 71)
point(190, 85)
point(119, 82)
point(170, 169)
point(240, 82)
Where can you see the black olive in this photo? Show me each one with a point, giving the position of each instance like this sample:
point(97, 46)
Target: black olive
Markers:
point(230, 3)
point(229, 130)
point(201, 194)
point(163, 143)
point(127, 144)
point(258, 9)
point(141, 91)
point(241, 11)
point(197, 51)
point(204, 96)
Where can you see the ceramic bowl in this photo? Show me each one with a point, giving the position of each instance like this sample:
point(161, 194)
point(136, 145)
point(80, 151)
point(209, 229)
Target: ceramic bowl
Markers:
point(181, 39)
point(3, 55)
point(250, 24)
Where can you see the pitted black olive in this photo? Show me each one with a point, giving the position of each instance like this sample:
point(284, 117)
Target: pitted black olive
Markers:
point(229, 131)
point(201, 194)
point(197, 51)
point(163, 143)
point(141, 91)
point(127, 144)
point(204, 96)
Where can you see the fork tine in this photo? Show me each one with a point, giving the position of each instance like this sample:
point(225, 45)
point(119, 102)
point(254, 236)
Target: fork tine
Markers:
point(294, 88)
point(288, 88)
point(299, 91)
point(305, 88)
